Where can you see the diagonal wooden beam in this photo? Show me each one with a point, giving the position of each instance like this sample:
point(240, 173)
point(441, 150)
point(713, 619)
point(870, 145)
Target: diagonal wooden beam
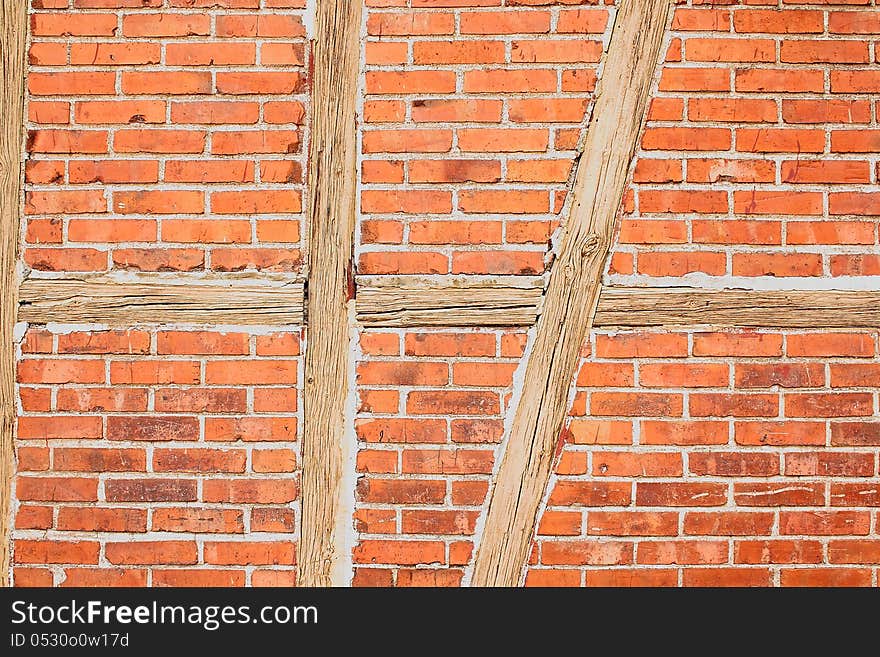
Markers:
point(331, 216)
point(572, 292)
point(13, 33)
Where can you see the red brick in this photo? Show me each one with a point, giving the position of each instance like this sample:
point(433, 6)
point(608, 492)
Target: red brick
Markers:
point(731, 50)
point(682, 552)
point(683, 375)
point(406, 553)
point(593, 553)
point(686, 139)
point(680, 494)
point(251, 490)
point(56, 551)
point(632, 523)
point(733, 405)
point(771, 21)
point(861, 494)
point(815, 577)
point(785, 375)
point(825, 111)
point(779, 433)
point(630, 577)
point(95, 459)
point(683, 433)
point(823, 523)
point(461, 461)
point(590, 494)
point(695, 79)
point(91, 519)
point(727, 523)
point(860, 552)
point(733, 464)
point(829, 464)
point(777, 551)
point(91, 577)
point(57, 489)
point(855, 433)
point(401, 430)
point(779, 494)
point(521, 22)
point(738, 110)
point(400, 491)
point(737, 344)
point(828, 404)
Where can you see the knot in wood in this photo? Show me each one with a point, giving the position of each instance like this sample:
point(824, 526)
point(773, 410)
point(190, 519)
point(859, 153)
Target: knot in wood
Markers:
point(589, 245)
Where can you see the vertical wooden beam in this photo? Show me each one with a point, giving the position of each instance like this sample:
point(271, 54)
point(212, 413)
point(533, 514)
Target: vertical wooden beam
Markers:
point(573, 291)
point(331, 216)
point(13, 36)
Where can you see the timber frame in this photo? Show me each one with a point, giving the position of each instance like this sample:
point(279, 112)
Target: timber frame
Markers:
point(572, 294)
point(13, 19)
point(332, 301)
point(332, 212)
point(425, 302)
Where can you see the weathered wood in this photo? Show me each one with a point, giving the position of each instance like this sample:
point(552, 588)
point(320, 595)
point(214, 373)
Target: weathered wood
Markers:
point(413, 302)
point(104, 300)
point(332, 204)
point(13, 35)
point(405, 301)
point(640, 307)
point(573, 291)
point(515, 301)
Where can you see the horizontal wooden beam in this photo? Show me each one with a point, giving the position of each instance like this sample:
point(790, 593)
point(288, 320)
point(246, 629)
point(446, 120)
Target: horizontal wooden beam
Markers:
point(785, 309)
point(103, 300)
point(411, 301)
point(405, 301)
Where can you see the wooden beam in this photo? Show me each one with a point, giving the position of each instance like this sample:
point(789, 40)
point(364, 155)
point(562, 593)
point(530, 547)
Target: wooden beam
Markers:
point(572, 292)
point(423, 302)
point(13, 35)
point(639, 307)
point(405, 301)
point(332, 205)
point(515, 301)
point(104, 300)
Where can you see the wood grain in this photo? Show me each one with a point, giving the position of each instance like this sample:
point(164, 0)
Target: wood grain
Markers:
point(103, 300)
point(412, 301)
point(332, 196)
point(515, 301)
point(572, 292)
point(779, 309)
point(13, 34)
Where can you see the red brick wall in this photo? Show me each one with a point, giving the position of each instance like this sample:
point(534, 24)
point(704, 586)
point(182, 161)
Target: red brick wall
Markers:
point(165, 136)
point(157, 456)
point(431, 415)
point(170, 136)
point(472, 115)
point(705, 458)
point(709, 459)
point(759, 158)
